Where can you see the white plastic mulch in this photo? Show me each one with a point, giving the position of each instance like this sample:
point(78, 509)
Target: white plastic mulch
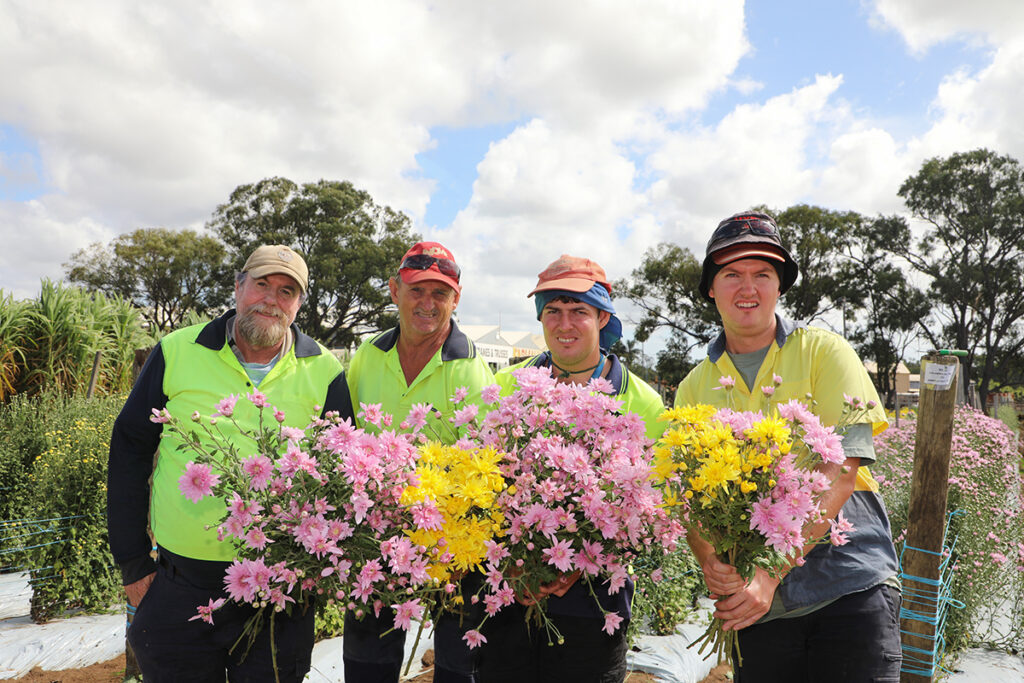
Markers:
point(85, 640)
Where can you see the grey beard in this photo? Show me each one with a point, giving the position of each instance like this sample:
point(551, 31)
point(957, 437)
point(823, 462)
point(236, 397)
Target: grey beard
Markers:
point(258, 336)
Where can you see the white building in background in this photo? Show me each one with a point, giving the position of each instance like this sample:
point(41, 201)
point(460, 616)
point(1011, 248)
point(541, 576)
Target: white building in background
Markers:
point(500, 347)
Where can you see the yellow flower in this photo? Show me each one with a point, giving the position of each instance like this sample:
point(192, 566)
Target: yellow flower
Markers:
point(770, 430)
point(691, 414)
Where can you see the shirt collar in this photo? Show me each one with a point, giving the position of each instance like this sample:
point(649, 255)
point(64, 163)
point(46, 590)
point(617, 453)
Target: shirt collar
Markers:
point(783, 328)
point(616, 372)
point(455, 347)
point(214, 335)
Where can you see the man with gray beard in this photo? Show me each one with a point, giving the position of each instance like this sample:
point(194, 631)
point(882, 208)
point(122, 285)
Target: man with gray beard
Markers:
point(253, 348)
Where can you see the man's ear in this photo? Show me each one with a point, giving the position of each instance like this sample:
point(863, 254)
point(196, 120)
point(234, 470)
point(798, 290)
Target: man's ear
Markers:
point(602, 319)
point(393, 288)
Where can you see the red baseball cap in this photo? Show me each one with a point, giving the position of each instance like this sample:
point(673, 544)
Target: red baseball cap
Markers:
point(430, 261)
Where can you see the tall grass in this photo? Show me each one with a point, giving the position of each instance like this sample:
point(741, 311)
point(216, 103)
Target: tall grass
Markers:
point(14, 323)
point(51, 341)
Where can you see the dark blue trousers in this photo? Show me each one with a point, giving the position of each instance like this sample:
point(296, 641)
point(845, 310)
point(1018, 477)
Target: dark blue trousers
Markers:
point(371, 657)
point(856, 639)
point(169, 647)
point(518, 652)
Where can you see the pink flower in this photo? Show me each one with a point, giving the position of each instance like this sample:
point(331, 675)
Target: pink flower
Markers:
point(496, 552)
point(776, 380)
point(726, 381)
point(825, 442)
point(417, 417)
point(205, 612)
point(371, 413)
point(406, 612)
point(768, 391)
point(474, 638)
point(560, 555)
point(611, 622)
point(256, 538)
point(161, 417)
point(490, 394)
point(460, 395)
point(840, 526)
point(292, 434)
point(197, 482)
point(258, 399)
point(465, 415)
point(226, 406)
point(279, 415)
point(259, 468)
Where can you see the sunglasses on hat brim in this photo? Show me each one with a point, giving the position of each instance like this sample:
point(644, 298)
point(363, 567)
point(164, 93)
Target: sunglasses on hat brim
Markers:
point(424, 262)
point(744, 225)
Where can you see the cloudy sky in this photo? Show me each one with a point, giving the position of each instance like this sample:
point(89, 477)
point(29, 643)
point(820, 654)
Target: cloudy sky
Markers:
point(513, 131)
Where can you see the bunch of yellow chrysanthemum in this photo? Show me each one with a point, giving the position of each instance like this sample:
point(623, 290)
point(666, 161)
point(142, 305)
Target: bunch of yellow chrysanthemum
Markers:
point(702, 459)
point(462, 484)
point(746, 484)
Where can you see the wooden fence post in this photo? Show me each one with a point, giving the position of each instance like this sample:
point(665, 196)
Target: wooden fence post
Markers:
point(95, 375)
point(926, 522)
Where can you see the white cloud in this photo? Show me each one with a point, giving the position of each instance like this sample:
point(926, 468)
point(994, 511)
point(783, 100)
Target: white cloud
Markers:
point(867, 168)
point(757, 154)
point(542, 192)
point(38, 240)
point(981, 110)
point(923, 23)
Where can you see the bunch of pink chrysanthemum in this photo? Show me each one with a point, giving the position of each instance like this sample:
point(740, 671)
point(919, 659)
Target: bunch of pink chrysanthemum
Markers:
point(313, 512)
point(578, 496)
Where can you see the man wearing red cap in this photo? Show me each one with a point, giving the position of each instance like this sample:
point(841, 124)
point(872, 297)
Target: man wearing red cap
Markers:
point(836, 616)
point(574, 305)
point(425, 359)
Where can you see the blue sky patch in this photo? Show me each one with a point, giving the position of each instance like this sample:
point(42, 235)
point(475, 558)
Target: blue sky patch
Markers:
point(452, 165)
point(794, 40)
point(21, 168)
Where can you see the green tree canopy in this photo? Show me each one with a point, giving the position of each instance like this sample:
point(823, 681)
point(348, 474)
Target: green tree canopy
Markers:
point(889, 309)
point(350, 244)
point(165, 273)
point(819, 240)
point(972, 253)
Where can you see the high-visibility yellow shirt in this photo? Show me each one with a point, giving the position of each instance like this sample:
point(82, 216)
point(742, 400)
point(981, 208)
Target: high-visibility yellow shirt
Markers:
point(375, 376)
point(822, 364)
point(811, 362)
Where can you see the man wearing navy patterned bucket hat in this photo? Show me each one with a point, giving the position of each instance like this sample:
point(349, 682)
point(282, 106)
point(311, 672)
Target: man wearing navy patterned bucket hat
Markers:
point(835, 614)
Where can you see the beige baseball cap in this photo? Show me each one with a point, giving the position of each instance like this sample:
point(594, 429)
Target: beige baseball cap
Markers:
point(271, 259)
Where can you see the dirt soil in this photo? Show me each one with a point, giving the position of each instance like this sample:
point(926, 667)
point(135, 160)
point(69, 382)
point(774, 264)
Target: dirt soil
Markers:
point(112, 671)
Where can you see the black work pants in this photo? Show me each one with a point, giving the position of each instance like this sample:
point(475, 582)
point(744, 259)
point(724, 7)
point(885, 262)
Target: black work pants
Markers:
point(518, 652)
point(855, 639)
point(169, 647)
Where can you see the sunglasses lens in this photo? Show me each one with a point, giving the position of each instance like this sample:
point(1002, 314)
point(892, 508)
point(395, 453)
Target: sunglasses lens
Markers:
point(738, 227)
point(424, 262)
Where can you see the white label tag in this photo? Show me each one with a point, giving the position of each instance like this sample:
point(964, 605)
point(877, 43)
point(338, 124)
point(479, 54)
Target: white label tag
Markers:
point(939, 374)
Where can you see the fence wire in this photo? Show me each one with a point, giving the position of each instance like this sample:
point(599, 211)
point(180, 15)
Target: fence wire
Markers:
point(928, 601)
